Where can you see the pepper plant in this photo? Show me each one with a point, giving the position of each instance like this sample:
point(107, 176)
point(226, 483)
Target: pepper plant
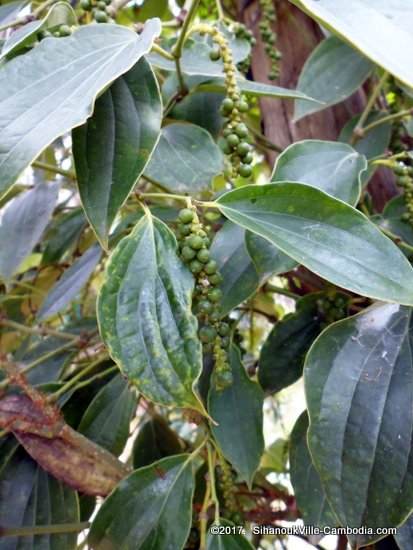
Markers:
point(179, 243)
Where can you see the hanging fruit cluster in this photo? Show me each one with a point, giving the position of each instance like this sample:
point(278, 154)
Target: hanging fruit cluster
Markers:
point(59, 32)
point(228, 489)
point(269, 36)
point(404, 178)
point(101, 10)
point(242, 32)
point(236, 145)
point(332, 307)
point(213, 333)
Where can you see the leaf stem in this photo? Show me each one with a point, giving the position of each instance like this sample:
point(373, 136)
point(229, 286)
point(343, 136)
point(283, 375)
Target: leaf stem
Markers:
point(42, 331)
point(97, 376)
point(279, 290)
point(43, 529)
point(221, 14)
point(157, 49)
point(27, 18)
point(388, 118)
point(358, 131)
point(177, 50)
point(73, 381)
point(211, 471)
point(163, 196)
point(203, 517)
point(51, 168)
point(397, 239)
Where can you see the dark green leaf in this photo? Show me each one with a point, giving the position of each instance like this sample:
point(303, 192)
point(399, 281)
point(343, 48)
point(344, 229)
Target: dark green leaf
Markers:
point(267, 258)
point(404, 537)
point(22, 224)
point(311, 499)
point(331, 74)
point(30, 497)
point(22, 37)
point(64, 231)
point(107, 419)
point(52, 88)
point(282, 355)
point(332, 167)
point(70, 284)
point(370, 26)
point(185, 159)
point(238, 412)
point(145, 318)
point(359, 389)
point(151, 508)
point(391, 219)
point(275, 458)
point(112, 149)
point(326, 235)
point(155, 440)
point(230, 540)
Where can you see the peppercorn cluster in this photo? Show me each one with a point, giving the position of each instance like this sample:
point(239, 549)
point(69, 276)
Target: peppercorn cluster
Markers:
point(235, 133)
point(213, 333)
point(269, 36)
point(59, 32)
point(227, 489)
point(404, 177)
point(332, 308)
point(242, 32)
point(101, 10)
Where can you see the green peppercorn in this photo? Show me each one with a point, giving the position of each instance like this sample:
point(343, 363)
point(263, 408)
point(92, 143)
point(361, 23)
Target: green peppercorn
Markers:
point(225, 341)
point(241, 130)
point(100, 16)
point(186, 215)
point(203, 255)
point(248, 158)
point(227, 105)
point(215, 53)
point(205, 306)
point(242, 106)
point(232, 140)
point(215, 295)
point(65, 30)
point(223, 329)
point(211, 267)
point(195, 266)
point(101, 5)
point(184, 230)
point(245, 170)
point(196, 242)
point(207, 334)
point(215, 279)
point(243, 148)
point(214, 316)
point(188, 253)
point(85, 5)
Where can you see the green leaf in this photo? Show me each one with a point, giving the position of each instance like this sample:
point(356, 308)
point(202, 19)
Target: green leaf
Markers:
point(331, 74)
point(151, 8)
point(311, 499)
point(333, 167)
point(244, 261)
point(282, 355)
point(62, 234)
point(145, 318)
point(238, 412)
point(275, 458)
point(230, 539)
point(51, 89)
point(10, 10)
point(151, 508)
point(324, 234)
point(155, 440)
point(107, 419)
point(30, 497)
point(25, 36)
point(391, 219)
point(70, 284)
point(185, 159)
point(22, 224)
point(379, 29)
point(112, 149)
point(404, 537)
point(359, 389)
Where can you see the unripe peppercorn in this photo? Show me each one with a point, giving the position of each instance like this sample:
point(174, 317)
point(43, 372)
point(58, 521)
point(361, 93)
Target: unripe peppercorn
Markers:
point(215, 295)
point(186, 215)
point(207, 334)
point(211, 267)
point(203, 255)
point(195, 266)
point(196, 242)
point(188, 253)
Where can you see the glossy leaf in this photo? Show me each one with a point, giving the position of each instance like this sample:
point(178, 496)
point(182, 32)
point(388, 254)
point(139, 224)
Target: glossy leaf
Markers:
point(230, 540)
point(324, 234)
point(22, 224)
point(112, 149)
point(70, 284)
point(238, 412)
point(185, 160)
point(282, 355)
point(145, 318)
point(52, 88)
point(311, 499)
point(107, 419)
point(331, 74)
point(30, 497)
point(151, 508)
point(370, 26)
point(333, 167)
point(267, 258)
point(26, 35)
point(155, 440)
point(359, 389)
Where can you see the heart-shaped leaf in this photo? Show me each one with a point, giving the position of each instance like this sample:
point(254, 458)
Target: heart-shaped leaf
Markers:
point(333, 167)
point(145, 318)
point(151, 508)
point(185, 159)
point(359, 388)
point(370, 26)
point(52, 88)
point(311, 499)
point(324, 234)
point(237, 410)
point(331, 74)
point(106, 421)
point(112, 149)
point(22, 224)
